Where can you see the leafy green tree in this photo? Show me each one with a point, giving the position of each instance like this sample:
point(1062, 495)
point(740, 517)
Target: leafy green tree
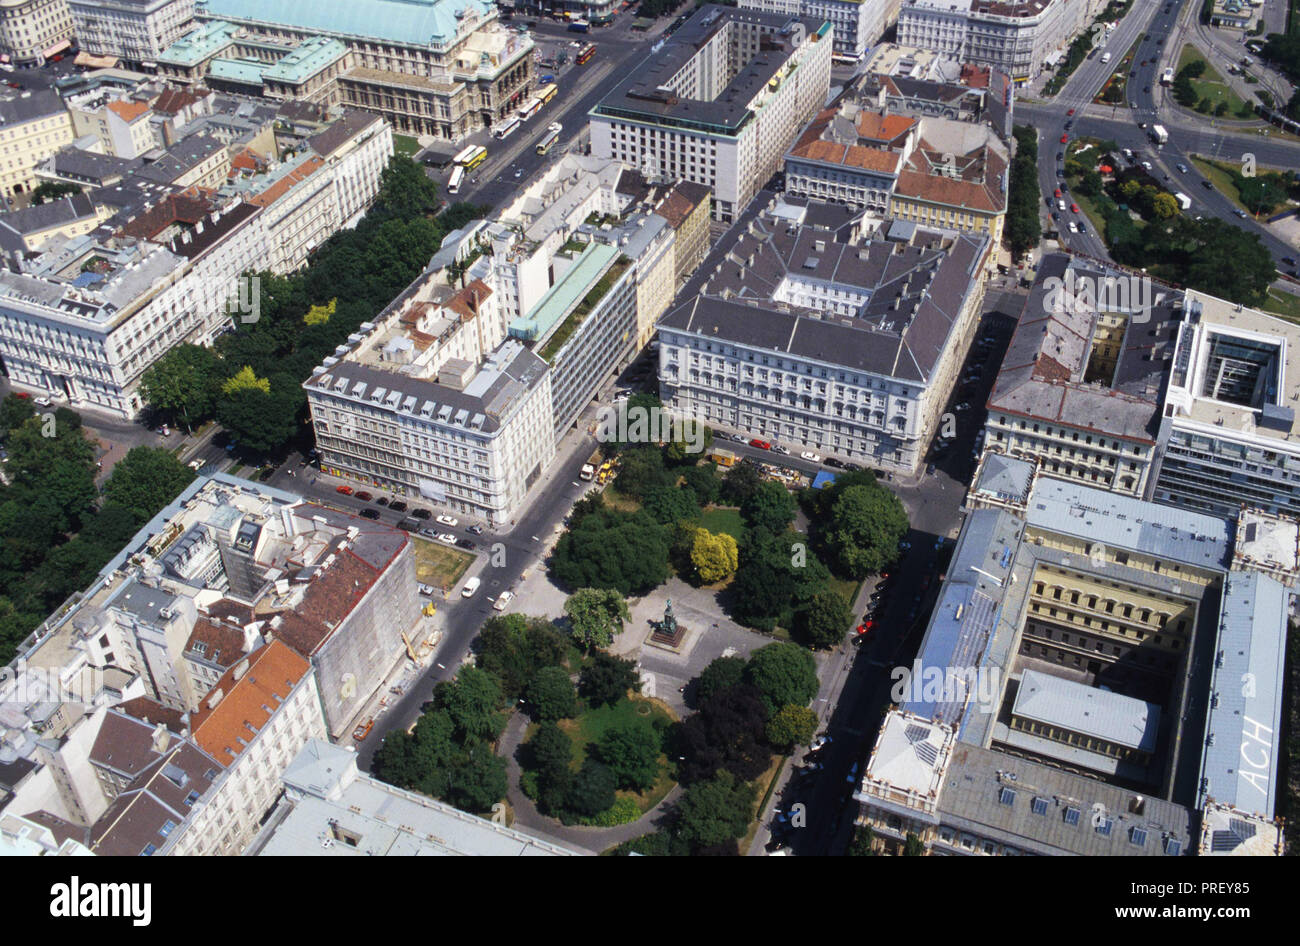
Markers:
point(823, 622)
point(722, 673)
point(607, 679)
point(913, 847)
point(715, 811)
point(146, 480)
point(791, 726)
point(479, 781)
point(715, 556)
point(55, 474)
point(642, 471)
point(49, 191)
point(620, 551)
point(1163, 206)
point(404, 188)
point(693, 441)
point(703, 481)
point(245, 379)
point(513, 648)
point(783, 673)
point(14, 411)
point(727, 733)
point(632, 753)
point(866, 525)
point(769, 506)
point(740, 482)
point(472, 701)
point(671, 503)
point(550, 750)
point(595, 616)
point(184, 383)
point(259, 420)
point(550, 695)
point(861, 845)
point(592, 790)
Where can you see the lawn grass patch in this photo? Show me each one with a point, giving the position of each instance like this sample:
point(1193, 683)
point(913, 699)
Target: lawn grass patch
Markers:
point(439, 565)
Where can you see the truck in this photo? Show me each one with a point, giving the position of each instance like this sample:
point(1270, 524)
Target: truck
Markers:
point(1105, 57)
point(722, 457)
point(1167, 77)
point(579, 26)
point(588, 471)
point(471, 586)
point(1159, 135)
point(1183, 201)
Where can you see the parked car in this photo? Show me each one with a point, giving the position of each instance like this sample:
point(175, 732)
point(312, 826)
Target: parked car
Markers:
point(421, 513)
point(761, 444)
point(448, 521)
point(362, 731)
point(475, 530)
point(447, 538)
point(810, 457)
point(345, 490)
point(364, 496)
point(397, 505)
point(466, 544)
point(427, 590)
point(381, 501)
point(1064, 139)
point(369, 513)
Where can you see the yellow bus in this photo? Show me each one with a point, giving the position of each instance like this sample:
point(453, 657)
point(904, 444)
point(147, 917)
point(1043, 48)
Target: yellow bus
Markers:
point(546, 93)
point(471, 157)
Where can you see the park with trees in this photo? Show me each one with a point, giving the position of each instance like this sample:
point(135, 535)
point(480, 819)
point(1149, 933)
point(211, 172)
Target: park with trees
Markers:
point(251, 379)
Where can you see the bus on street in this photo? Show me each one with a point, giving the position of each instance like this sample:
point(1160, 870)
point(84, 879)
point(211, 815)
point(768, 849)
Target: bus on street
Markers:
point(471, 157)
point(529, 109)
point(457, 176)
point(547, 143)
point(506, 130)
point(584, 56)
point(545, 94)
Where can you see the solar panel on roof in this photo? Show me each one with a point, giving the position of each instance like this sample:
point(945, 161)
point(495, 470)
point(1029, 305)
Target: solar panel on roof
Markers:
point(916, 733)
point(927, 753)
point(1223, 841)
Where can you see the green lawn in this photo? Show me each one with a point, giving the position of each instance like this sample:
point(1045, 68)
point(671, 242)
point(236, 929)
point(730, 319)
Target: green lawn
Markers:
point(1283, 304)
point(438, 564)
point(405, 144)
point(1220, 178)
point(589, 726)
point(1210, 85)
point(723, 519)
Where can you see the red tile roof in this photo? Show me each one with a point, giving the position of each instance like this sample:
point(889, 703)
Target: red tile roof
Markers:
point(245, 698)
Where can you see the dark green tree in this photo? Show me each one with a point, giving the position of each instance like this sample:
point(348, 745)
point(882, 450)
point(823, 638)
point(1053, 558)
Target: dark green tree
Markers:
point(592, 790)
point(715, 811)
point(769, 506)
point(823, 622)
point(146, 480)
point(550, 695)
point(632, 753)
point(722, 673)
point(185, 384)
point(472, 701)
point(783, 673)
point(607, 679)
point(703, 481)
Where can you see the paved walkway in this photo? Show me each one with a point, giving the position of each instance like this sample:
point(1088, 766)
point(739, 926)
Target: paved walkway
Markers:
point(527, 816)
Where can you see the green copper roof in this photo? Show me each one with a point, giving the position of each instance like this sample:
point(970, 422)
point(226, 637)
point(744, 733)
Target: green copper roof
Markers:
point(411, 22)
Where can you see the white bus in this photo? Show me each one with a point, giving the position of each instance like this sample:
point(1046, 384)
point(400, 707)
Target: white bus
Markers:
point(531, 108)
point(506, 130)
point(457, 176)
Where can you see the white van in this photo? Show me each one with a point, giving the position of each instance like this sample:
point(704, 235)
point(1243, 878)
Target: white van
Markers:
point(471, 586)
point(503, 600)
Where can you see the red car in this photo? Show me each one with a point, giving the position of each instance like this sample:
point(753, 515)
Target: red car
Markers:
point(761, 444)
point(1074, 208)
point(345, 490)
point(364, 497)
point(1070, 112)
point(1064, 139)
point(1058, 193)
point(866, 626)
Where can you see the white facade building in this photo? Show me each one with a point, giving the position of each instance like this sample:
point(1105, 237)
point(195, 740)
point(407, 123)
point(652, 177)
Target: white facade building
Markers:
point(135, 31)
point(1013, 36)
point(858, 23)
point(719, 103)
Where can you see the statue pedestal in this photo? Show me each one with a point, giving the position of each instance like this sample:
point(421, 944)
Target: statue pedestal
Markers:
point(666, 635)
